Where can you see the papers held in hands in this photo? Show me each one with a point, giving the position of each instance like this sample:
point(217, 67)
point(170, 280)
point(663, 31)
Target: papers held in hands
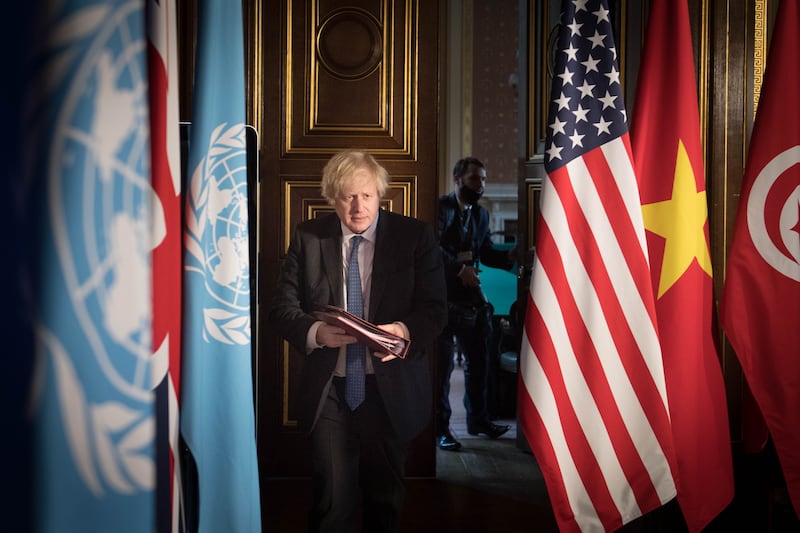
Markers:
point(367, 333)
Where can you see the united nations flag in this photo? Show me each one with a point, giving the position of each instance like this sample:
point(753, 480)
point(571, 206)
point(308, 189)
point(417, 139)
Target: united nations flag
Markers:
point(217, 418)
point(92, 398)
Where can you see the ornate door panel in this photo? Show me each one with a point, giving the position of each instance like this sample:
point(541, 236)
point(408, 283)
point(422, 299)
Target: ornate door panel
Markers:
point(329, 75)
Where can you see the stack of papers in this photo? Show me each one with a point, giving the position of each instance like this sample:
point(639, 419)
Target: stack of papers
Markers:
point(367, 333)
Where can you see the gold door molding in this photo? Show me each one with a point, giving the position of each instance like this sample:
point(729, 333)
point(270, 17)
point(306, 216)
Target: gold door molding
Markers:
point(364, 60)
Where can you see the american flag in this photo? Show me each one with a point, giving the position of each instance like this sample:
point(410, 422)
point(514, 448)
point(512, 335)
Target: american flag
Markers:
point(593, 402)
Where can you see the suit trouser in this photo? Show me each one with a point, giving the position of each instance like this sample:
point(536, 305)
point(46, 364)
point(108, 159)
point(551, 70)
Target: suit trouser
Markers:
point(474, 344)
point(357, 458)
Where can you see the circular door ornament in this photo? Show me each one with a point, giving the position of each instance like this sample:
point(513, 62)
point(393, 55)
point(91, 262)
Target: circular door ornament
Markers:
point(350, 44)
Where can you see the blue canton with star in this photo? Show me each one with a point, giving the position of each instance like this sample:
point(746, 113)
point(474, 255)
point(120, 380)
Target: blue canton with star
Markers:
point(586, 108)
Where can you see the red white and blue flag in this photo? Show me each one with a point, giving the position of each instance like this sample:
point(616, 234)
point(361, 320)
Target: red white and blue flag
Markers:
point(593, 399)
point(162, 62)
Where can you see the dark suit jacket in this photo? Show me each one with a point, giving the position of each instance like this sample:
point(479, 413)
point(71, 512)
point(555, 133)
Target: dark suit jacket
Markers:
point(407, 286)
point(454, 239)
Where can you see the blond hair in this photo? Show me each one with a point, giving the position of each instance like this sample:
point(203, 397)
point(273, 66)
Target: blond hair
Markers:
point(343, 165)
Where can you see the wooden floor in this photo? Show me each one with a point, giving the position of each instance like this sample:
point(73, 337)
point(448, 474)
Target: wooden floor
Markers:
point(487, 486)
point(494, 486)
point(489, 495)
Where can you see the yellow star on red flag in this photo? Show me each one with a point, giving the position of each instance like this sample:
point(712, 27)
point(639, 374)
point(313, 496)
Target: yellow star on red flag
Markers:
point(681, 221)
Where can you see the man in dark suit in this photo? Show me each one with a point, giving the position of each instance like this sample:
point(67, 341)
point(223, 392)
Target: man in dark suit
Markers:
point(465, 240)
point(359, 442)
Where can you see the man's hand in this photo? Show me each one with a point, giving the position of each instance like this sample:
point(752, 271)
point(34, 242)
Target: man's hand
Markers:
point(394, 329)
point(333, 337)
point(469, 276)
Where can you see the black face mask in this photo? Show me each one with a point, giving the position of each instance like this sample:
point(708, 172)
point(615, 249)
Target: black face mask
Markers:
point(470, 196)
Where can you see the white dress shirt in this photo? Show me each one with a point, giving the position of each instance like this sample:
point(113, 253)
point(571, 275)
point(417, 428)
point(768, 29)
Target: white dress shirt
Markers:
point(366, 253)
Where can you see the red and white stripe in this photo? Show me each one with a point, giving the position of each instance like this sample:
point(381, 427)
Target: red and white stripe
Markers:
point(593, 401)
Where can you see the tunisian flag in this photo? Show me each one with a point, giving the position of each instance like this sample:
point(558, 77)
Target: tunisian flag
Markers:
point(760, 306)
point(162, 60)
point(668, 157)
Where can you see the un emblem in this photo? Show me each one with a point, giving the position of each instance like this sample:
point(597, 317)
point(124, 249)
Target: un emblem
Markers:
point(96, 317)
point(217, 235)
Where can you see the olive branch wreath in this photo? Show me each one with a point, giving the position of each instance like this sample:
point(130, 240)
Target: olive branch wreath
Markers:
point(222, 325)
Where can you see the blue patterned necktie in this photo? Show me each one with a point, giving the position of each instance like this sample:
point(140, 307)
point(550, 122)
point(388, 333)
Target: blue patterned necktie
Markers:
point(356, 353)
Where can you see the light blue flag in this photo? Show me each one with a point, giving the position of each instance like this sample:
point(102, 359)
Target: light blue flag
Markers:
point(217, 415)
point(92, 399)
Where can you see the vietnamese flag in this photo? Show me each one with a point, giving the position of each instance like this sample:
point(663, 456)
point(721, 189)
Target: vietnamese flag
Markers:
point(760, 306)
point(668, 158)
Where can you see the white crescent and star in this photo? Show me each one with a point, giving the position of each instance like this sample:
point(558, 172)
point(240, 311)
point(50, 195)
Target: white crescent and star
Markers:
point(788, 218)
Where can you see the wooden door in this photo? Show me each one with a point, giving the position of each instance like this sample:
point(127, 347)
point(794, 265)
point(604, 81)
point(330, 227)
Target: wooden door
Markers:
point(324, 76)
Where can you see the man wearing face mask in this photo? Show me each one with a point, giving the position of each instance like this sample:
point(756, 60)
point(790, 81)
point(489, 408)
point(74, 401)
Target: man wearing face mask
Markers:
point(464, 238)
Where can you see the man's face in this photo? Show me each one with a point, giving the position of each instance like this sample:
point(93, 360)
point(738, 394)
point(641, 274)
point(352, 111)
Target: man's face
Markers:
point(358, 203)
point(474, 178)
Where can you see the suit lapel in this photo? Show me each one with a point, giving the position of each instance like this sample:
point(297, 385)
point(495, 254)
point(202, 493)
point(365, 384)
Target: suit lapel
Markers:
point(331, 247)
point(380, 264)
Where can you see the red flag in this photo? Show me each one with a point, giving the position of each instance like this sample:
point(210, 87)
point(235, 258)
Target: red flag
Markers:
point(760, 306)
point(593, 401)
point(162, 58)
point(668, 157)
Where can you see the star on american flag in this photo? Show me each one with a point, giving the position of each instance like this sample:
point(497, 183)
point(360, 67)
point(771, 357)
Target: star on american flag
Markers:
point(589, 110)
point(593, 404)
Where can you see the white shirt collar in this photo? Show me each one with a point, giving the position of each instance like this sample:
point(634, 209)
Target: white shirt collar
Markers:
point(463, 206)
